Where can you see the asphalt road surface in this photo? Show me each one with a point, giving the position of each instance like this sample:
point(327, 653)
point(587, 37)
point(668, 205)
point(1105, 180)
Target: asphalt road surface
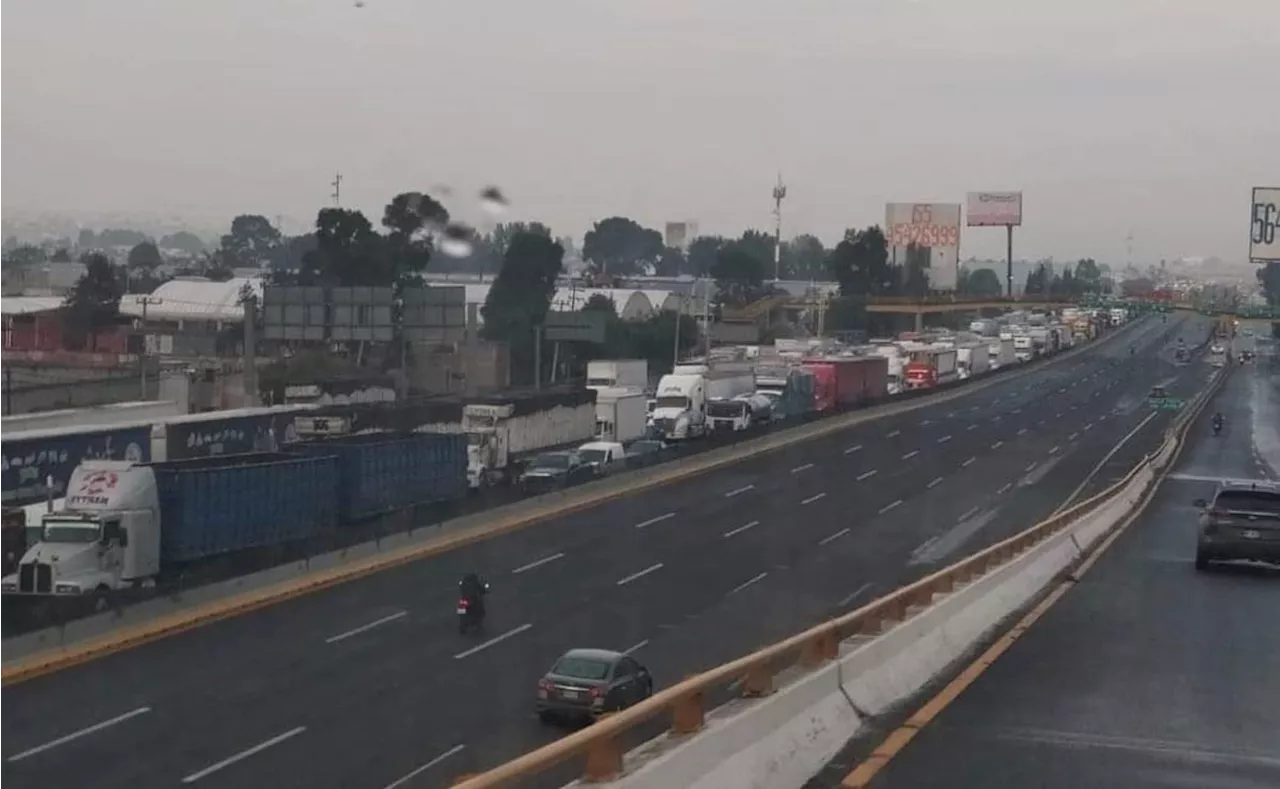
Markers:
point(369, 685)
point(1146, 675)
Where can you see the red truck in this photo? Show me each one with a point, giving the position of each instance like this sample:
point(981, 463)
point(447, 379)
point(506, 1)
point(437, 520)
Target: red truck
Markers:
point(929, 367)
point(845, 382)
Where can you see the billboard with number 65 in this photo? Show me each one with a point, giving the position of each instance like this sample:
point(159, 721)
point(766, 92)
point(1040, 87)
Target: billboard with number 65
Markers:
point(1264, 225)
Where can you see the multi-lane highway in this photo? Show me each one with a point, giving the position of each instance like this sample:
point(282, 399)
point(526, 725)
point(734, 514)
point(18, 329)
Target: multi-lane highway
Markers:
point(1146, 674)
point(369, 684)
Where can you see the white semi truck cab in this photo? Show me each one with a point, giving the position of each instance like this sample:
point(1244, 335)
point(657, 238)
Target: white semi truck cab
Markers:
point(680, 411)
point(106, 537)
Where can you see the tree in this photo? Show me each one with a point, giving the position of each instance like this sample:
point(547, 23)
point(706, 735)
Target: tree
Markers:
point(60, 255)
point(860, 263)
point(183, 242)
point(1038, 281)
point(521, 296)
point(759, 245)
point(410, 219)
point(94, 302)
point(1269, 278)
point(672, 263)
point(347, 253)
point(619, 246)
point(739, 275)
point(86, 239)
point(25, 255)
point(702, 254)
point(252, 242)
point(983, 282)
point(1089, 276)
point(807, 257)
point(144, 257)
point(120, 237)
point(500, 237)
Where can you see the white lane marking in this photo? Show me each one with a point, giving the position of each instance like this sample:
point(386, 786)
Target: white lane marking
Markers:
point(944, 439)
point(926, 422)
point(833, 537)
point(849, 598)
point(365, 627)
point(968, 514)
point(866, 475)
point(1005, 489)
point(911, 454)
point(635, 576)
point(636, 647)
point(741, 529)
point(973, 426)
point(515, 631)
point(813, 498)
point(853, 449)
point(1031, 466)
point(1022, 431)
point(245, 754)
point(1055, 449)
point(1105, 459)
point(936, 482)
point(888, 507)
point(396, 784)
point(996, 418)
point(75, 735)
point(739, 491)
point(997, 445)
point(1072, 437)
point(1059, 415)
point(804, 467)
point(968, 462)
point(1017, 410)
point(651, 521)
point(745, 584)
point(893, 433)
point(1088, 426)
point(539, 563)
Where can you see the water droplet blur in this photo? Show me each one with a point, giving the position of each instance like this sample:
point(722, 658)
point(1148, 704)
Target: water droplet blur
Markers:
point(457, 240)
point(493, 201)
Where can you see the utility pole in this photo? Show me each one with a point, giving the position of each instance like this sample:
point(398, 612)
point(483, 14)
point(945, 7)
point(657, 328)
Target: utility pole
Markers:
point(779, 192)
point(250, 304)
point(337, 189)
point(145, 300)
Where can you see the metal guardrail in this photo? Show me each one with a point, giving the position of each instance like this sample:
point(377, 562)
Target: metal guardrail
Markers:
point(603, 745)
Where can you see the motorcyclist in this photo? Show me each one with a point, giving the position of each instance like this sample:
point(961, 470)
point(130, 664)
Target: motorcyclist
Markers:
point(473, 588)
point(1218, 420)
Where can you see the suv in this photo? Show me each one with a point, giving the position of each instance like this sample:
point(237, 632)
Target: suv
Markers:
point(1242, 522)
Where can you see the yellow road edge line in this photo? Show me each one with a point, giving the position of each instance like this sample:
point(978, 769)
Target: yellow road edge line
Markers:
point(862, 775)
point(58, 658)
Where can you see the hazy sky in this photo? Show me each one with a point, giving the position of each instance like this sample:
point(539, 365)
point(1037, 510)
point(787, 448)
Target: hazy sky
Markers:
point(1111, 115)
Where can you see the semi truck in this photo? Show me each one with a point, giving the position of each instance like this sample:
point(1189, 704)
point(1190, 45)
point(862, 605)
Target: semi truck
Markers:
point(846, 382)
point(1000, 353)
point(972, 358)
point(930, 367)
point(790, 389)
point(680, 406)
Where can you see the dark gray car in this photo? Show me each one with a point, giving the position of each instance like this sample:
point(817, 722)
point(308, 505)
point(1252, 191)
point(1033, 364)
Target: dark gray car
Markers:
point(1242, 522)
point(584, 683)
point(555, 470)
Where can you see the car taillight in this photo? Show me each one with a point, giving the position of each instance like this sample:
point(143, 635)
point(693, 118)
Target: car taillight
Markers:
point(596, 692)
point(463, 603)
point(544, 685)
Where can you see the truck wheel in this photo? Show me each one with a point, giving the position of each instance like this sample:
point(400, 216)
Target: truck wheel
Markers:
point(100, 600)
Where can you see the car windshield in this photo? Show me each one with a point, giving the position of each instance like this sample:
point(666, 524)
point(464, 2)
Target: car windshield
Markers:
point(70, 531)
point(552, 461)
point(594, 455)
point(581, 668)
point(1257, 501)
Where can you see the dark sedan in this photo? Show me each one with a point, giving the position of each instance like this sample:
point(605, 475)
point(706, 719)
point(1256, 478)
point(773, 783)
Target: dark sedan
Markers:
point(554, 470)
point(584, 683)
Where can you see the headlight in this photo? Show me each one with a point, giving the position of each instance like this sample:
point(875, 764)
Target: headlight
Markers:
point(9, 586)
point(66, 588)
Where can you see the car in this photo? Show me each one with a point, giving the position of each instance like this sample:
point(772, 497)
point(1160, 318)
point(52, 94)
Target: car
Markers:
point(586, 683)
point(555, 470)
point(1241, 522)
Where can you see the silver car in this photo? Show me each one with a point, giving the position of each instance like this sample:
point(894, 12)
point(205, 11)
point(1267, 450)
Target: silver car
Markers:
point(584, 683)
point(1241, 522)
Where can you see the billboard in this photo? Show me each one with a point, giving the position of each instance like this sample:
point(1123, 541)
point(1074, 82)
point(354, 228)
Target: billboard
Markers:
point(932, 226)
point(1264, 225)
point(30, 459)
point(994, 209)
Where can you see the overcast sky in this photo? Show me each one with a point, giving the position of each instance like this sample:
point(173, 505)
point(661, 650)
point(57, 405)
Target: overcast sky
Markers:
point(1155, 116)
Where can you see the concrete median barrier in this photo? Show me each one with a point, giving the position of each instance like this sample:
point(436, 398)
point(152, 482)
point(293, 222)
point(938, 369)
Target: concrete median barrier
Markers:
point(56, 648)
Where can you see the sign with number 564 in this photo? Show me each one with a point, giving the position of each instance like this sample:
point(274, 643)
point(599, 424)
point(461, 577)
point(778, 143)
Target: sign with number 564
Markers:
point(1264, 225)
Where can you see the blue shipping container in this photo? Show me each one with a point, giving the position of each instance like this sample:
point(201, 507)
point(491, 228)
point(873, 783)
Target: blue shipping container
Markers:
point(214, 433)
point(32, 456)
point(217, 506)
point(384, 472)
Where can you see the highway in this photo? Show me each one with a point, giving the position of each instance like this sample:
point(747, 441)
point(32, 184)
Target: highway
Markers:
point(369, 685)
point(1146, 674)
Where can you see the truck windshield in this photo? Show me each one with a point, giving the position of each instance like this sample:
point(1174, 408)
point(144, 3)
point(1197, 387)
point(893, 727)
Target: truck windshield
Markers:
point(673, 401)
point(70, 531)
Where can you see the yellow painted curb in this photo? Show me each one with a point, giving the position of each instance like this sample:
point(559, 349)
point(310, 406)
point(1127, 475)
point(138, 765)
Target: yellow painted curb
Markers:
point(66, 656)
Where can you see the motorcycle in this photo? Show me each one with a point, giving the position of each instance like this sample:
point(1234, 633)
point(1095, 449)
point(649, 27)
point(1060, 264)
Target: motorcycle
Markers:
point(1217, 428)
point(469, 615)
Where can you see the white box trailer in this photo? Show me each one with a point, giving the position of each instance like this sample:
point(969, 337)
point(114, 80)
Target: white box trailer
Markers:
point(972, 358)
point(618, 374)
point(1000, 352)
point(621, 414)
